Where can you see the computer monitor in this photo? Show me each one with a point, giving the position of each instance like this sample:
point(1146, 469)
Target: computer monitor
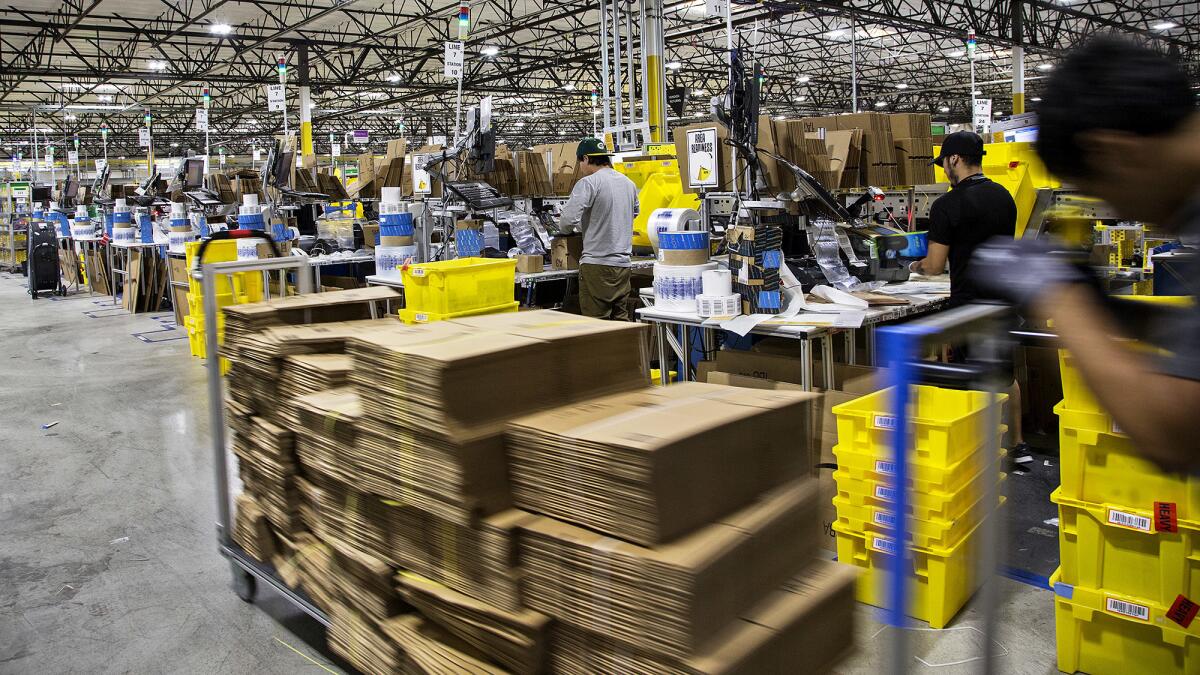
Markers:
point(281, 172)
point(41, 194)
point(70, 188)
point(193, 174)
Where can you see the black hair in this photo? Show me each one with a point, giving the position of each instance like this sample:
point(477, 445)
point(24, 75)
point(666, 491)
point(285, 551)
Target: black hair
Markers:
point(598, 160)
point(1109, 83)
point(972, 160)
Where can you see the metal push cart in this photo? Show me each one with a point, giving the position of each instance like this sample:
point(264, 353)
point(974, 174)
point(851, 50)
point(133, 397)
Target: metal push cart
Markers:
point(985, 328)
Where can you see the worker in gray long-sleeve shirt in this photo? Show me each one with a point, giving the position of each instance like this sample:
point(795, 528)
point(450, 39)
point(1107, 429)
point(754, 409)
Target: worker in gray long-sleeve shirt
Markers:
point(602, 206)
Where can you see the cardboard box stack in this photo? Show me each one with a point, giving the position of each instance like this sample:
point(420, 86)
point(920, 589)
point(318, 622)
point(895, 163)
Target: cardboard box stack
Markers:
point(663, 529)
point(872, 150)
point(914, 148)
point(687, 511)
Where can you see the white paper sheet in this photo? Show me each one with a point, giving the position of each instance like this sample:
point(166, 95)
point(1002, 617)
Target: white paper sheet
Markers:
point(837, 297)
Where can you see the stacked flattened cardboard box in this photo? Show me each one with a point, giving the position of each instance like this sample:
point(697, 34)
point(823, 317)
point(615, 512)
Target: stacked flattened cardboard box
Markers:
point(914, 148)
point(560, 158)
point(410, 539)
point(863, 143)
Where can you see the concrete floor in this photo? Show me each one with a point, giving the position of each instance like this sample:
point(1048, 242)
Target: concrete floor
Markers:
point(108, 560)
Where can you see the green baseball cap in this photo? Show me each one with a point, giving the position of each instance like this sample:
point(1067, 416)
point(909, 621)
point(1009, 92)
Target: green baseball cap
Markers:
point(591, 147)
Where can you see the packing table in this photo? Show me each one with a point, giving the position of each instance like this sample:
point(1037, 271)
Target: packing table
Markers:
point(666, 323)
point(121, 251)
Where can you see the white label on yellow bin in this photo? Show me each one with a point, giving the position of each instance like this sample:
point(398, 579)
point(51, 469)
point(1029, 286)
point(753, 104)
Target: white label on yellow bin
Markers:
point(882, 466)
point(883, 545)
point(1116, 429)
point(885, 493)
point(1132, 521)
point(885, 422)
point(884, 518)
point(418, 271)
point(1126, 608)
point(421, 317)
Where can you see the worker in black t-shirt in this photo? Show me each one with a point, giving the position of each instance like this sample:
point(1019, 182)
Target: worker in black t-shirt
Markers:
point(973, 211)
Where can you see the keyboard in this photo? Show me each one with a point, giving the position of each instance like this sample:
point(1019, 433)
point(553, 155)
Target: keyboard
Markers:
point(479, 196)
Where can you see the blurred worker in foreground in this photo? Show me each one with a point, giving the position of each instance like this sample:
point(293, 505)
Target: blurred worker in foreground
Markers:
point(974, 210)
point(602, 206)
point(1119, 122)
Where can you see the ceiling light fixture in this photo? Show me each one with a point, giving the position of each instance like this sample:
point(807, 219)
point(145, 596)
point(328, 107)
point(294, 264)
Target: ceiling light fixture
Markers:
point(220, 28)
point(944, 109)
point(394, 77)
point(957, 53)
point(881, 104)
point(158, 65)
point(976, 92)
point(674, 65)
point(1165, 25)
point(104, 98)
point(799, 98)
point(837, 33)
point(1045, 66)
point(570, 86)
point(902, 86)
point(490, 50)
point(1035, 99)
point(174, 145)
point(803, 79)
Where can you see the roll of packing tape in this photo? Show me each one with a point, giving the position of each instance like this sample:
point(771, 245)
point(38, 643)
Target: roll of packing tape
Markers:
point(683, 241)
point(389, 260)
point(247, 249)
point(669, 220)
point(718, 282)
point(676, 286)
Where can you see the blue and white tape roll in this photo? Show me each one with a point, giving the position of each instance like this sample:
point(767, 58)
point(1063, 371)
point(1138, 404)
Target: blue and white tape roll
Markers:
point(389, 260)
point(247, 249)
point(676, 286)
point(65, 225)
point(683, 241)
point(122, 218)
point(178, 237)
point(109, 220)
point(395, 225)
point(124, 235)
point(668, 220)
point(251, 221)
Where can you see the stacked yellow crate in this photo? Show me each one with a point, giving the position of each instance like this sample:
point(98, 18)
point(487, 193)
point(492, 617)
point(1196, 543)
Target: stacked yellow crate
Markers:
point(947, 495)
point(238, 288)
point(1127, 590)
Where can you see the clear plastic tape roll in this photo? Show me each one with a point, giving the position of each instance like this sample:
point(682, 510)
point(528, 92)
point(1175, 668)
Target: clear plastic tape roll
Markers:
point(718, 282)
point(676, 286)
point(668, 220)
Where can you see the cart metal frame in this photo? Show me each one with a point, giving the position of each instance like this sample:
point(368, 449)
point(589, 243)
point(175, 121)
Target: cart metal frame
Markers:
point(246, 571)
point(985, 327)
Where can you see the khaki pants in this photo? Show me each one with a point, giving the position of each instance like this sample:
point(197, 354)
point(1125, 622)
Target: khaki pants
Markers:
point(603, 291)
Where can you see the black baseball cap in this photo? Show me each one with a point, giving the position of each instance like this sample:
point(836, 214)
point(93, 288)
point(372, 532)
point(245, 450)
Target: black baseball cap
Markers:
point(960, 143)
point(591, 147)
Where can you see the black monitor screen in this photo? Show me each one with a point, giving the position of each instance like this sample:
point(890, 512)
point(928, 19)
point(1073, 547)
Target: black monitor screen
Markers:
point(41, 193)
point(193, 174)
point(70, 188)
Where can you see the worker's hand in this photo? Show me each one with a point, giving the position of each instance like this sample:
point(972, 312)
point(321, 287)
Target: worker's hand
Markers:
point(1022, 270)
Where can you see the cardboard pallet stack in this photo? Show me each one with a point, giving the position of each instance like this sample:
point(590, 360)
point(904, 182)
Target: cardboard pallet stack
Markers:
point(676, 545)
point(687, 511)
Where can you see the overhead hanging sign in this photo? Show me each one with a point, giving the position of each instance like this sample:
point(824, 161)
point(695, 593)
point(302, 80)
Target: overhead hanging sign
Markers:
point(421, 182)
point(715, 8)
point(454, 59)
point(336, 150)
point(437, 140)
point(101, 164)
point(201, 119)
point(143, 137)
point(73, 157)
point(222, 160)
point(676, 97)
point(256, 155)
point(360, 137)
point(983, 115)
point(702, 158)
point(276, 101)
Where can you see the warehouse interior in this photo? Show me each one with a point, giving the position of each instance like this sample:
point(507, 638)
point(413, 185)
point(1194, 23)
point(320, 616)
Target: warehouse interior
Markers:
point(604, 336)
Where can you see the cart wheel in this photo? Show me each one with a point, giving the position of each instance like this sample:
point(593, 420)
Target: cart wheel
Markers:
point(244, 583)
point(34, 294)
